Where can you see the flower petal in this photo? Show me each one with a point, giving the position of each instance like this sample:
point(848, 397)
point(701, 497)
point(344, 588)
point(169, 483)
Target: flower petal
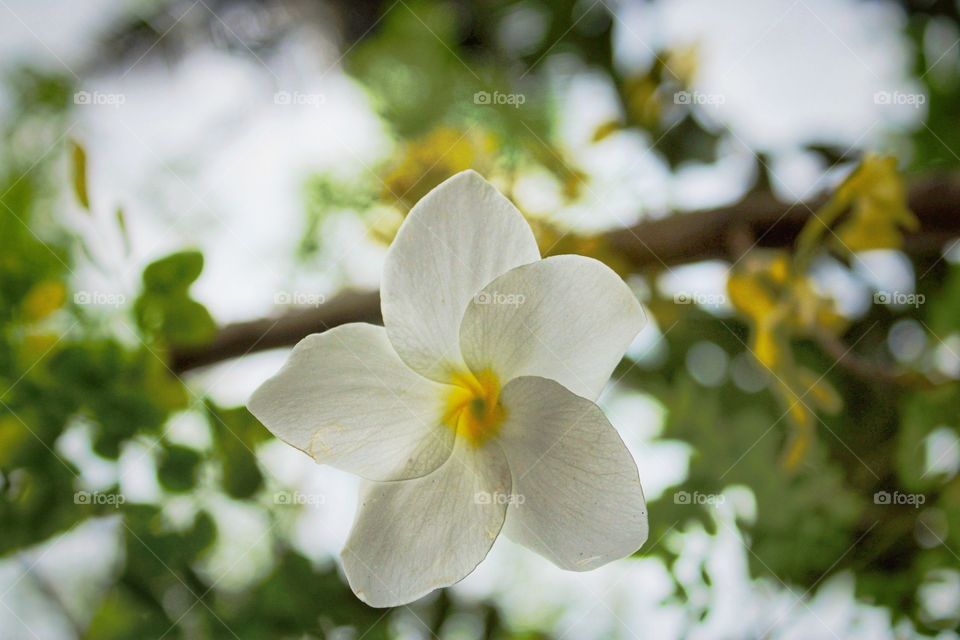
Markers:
point(459, 237)
point(415, 536)
point(345, 398)
point(567, 318)
point(577, 495)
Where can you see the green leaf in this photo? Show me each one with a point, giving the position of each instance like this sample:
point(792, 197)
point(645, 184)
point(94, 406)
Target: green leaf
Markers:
point(125, 614)
point(920, 415)
point(173, 273)
point(78, 163)
point(237, 433)
point(122, 226)
point(164, 309)
point(178, 468)
point(187, 322)
point(943, 311)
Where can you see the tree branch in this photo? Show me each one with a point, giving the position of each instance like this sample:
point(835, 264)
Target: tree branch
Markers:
point(882, 372)
point(674, 240)
point(241, 338)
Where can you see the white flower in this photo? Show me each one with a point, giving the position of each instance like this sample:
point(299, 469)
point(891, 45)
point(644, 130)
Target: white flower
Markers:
point(472, 410)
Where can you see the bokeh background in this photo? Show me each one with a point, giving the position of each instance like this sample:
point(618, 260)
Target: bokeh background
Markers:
point(188, 186)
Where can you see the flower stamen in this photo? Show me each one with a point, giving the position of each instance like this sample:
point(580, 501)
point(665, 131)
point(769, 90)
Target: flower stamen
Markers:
point(472, 408)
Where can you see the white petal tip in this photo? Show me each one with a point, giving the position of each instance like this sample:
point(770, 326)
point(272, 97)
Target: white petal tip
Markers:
point(466, 174)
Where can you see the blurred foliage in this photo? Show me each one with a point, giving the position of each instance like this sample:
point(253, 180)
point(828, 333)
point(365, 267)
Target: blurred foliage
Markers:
point(814, 442)
point(164, 310)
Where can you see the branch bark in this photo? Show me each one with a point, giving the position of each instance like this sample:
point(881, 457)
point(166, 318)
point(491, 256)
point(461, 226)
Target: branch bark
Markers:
point(241, 338)
point(654, 244)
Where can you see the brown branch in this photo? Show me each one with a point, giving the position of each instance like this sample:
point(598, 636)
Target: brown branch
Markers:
point(674, 240)
point(882, 372)
point(704, 235)
point(241, 338)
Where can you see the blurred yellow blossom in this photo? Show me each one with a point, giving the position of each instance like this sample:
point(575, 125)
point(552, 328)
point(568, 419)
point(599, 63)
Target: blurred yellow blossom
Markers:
point(44, 298)
point(683, 63)
point(781, 305)
point(879, 213)
point(642, 100)
point(429, 160)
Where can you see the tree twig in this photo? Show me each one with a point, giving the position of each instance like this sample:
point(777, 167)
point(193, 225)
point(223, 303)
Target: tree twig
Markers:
point(655, 244)
point(870, 370)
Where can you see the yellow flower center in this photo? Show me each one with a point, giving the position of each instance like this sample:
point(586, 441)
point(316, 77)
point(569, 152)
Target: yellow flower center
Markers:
point(472, 407)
